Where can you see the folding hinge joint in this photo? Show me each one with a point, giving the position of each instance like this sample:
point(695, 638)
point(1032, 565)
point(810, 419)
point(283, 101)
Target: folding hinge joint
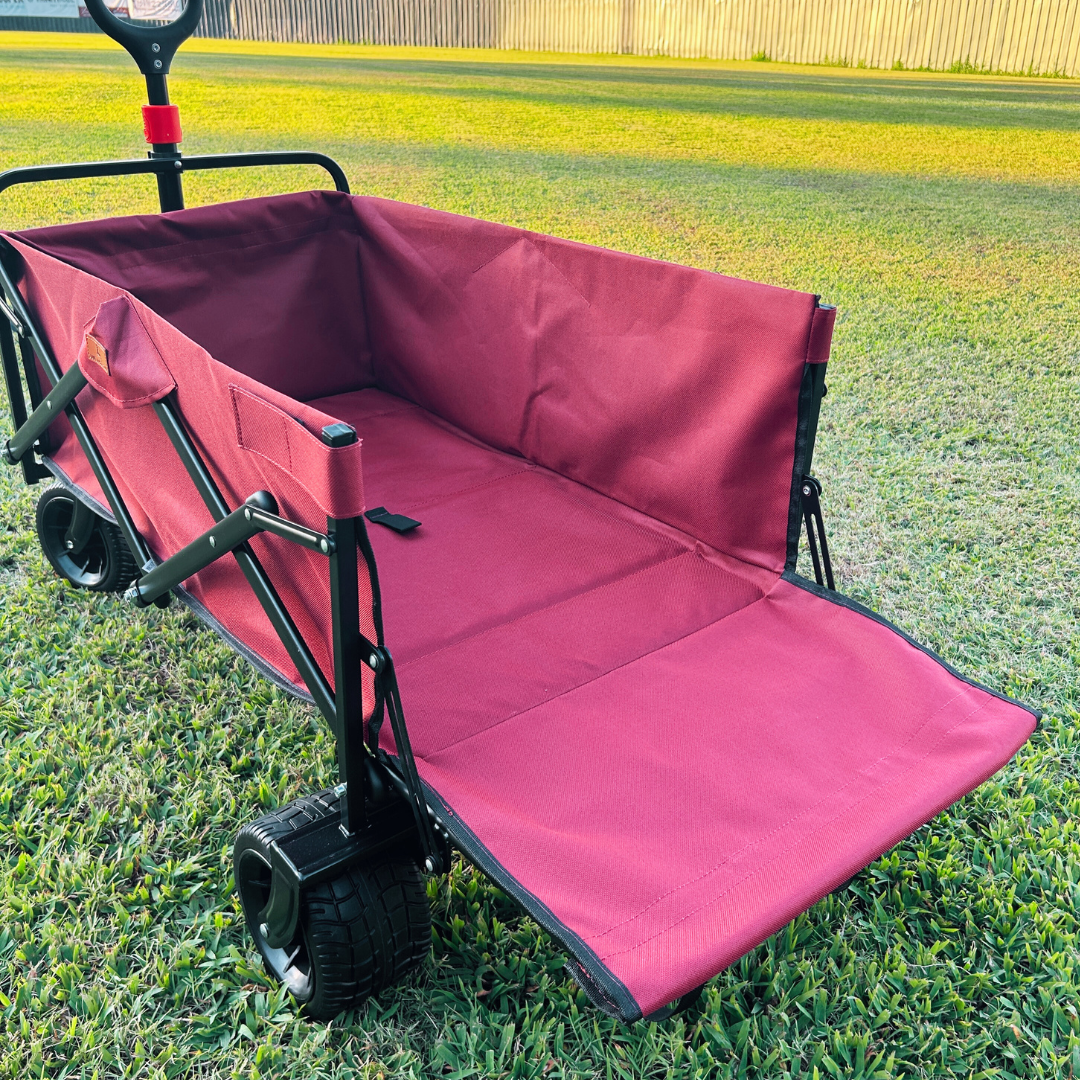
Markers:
point(815, 531)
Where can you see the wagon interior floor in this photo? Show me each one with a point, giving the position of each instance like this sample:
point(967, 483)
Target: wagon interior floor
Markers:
point(673, 752)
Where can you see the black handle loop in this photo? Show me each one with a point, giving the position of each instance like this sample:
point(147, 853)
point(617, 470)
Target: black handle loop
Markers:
point(151, 47)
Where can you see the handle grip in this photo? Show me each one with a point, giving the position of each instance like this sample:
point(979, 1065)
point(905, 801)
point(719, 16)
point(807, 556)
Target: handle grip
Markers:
point(151, 47)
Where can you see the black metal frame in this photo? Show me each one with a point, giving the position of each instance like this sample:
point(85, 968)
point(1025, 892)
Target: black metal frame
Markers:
point(382, 800)
point(805, 507)
point(810, 487)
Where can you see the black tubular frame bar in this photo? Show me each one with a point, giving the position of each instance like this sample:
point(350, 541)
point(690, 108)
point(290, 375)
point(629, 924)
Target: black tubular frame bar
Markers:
point(173, 164)
point(810, 488)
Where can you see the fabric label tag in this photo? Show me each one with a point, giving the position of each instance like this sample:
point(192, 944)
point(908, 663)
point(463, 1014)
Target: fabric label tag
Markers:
point(97, 352)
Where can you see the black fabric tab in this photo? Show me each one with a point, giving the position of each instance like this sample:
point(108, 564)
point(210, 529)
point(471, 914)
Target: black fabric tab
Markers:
point(398, 522)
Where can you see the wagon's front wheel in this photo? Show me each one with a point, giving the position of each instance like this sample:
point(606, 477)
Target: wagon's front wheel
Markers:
point(356, 935)
point(81, 545)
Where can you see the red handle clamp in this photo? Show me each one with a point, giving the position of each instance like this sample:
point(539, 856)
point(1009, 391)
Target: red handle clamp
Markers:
point(161, 123)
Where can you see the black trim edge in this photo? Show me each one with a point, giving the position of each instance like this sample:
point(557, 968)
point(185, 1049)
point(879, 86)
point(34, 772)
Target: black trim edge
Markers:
point(603, 988)
point(853, 605)
point(802, 432)
point(593, 990)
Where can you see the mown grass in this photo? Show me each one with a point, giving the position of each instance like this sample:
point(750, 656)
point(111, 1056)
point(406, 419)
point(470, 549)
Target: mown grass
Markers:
point(941, 214)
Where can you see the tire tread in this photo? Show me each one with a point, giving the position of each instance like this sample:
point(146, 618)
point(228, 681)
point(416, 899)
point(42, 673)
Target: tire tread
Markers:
point(365, 928)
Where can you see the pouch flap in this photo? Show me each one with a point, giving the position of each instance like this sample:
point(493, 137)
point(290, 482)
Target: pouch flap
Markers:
point(119, 358)
point(329, 474)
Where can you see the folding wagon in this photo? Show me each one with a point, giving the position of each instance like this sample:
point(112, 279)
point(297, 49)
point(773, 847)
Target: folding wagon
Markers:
point(565, 485)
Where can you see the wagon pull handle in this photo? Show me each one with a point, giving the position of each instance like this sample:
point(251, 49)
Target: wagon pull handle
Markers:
point(151, 47)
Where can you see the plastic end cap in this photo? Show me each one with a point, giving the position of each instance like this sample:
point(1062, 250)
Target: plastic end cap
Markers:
point(338, 435)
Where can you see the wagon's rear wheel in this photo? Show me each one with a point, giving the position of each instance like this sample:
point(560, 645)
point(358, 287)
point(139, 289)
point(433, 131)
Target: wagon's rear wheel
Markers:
point(356, 935)
point(82, 546)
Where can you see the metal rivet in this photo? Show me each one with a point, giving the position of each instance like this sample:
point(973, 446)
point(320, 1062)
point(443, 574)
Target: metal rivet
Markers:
point(373, 661)
point(247, 514)
point(806, 489)
point(264, 930)
point(325, 545)
point(71, 544)
point(178, 165)
point(48, 404)
point(213, 542)
point(429, 866)
point(156, 47)
point(157, 63)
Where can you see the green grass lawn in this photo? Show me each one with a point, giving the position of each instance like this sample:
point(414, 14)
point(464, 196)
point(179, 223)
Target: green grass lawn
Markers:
point(942, 215)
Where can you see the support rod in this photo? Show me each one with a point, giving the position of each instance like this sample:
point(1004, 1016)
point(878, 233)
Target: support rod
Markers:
point(256, 576)
point(351, 650)
point(56, 402)
point(258, 514)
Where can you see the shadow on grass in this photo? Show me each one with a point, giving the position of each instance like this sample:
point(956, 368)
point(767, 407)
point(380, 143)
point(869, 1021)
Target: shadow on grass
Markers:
point(811, 94)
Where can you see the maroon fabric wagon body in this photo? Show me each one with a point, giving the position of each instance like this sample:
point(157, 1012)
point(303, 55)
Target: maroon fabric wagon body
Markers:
point(627, 706)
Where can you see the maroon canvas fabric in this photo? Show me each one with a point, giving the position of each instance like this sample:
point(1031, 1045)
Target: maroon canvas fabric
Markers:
point(629, 714)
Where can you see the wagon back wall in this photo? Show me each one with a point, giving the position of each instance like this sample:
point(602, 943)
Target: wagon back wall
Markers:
point(1033, 37)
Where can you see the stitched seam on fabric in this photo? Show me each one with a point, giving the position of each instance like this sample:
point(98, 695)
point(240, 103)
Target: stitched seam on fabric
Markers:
point(499, 254)
point(810, 331)
point(603, 674)
point(783, 825)
point(527, 238)
point(570, 284)
point(359, 237)
point(435, 499)
point(372, 416)
point(760, 869)
point(119, 402)
point(280, 415)
point(500, 627)
point(473, 440)
point(236, 416)
point(481, 855)
point(300, 235)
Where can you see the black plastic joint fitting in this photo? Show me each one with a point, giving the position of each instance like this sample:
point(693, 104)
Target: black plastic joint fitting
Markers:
point(338, 435)
point(262, 500)
point(8, 456)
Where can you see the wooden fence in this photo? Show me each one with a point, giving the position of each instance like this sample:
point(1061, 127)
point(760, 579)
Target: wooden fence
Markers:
point(1036, 37)
point(1031, 36)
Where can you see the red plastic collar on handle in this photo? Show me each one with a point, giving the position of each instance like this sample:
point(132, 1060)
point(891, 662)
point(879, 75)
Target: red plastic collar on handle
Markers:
point(161, 123)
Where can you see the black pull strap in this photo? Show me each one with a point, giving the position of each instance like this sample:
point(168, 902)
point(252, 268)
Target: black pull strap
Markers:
point(398, 522)
point(387, 688)
point(815, 531)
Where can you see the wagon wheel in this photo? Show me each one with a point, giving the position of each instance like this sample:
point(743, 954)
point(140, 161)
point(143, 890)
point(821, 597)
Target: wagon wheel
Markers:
point(82, 546)
point(356, 935)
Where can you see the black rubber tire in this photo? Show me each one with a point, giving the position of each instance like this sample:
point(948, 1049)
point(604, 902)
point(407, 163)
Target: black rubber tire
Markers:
point(105, 564)
point(356, 935)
